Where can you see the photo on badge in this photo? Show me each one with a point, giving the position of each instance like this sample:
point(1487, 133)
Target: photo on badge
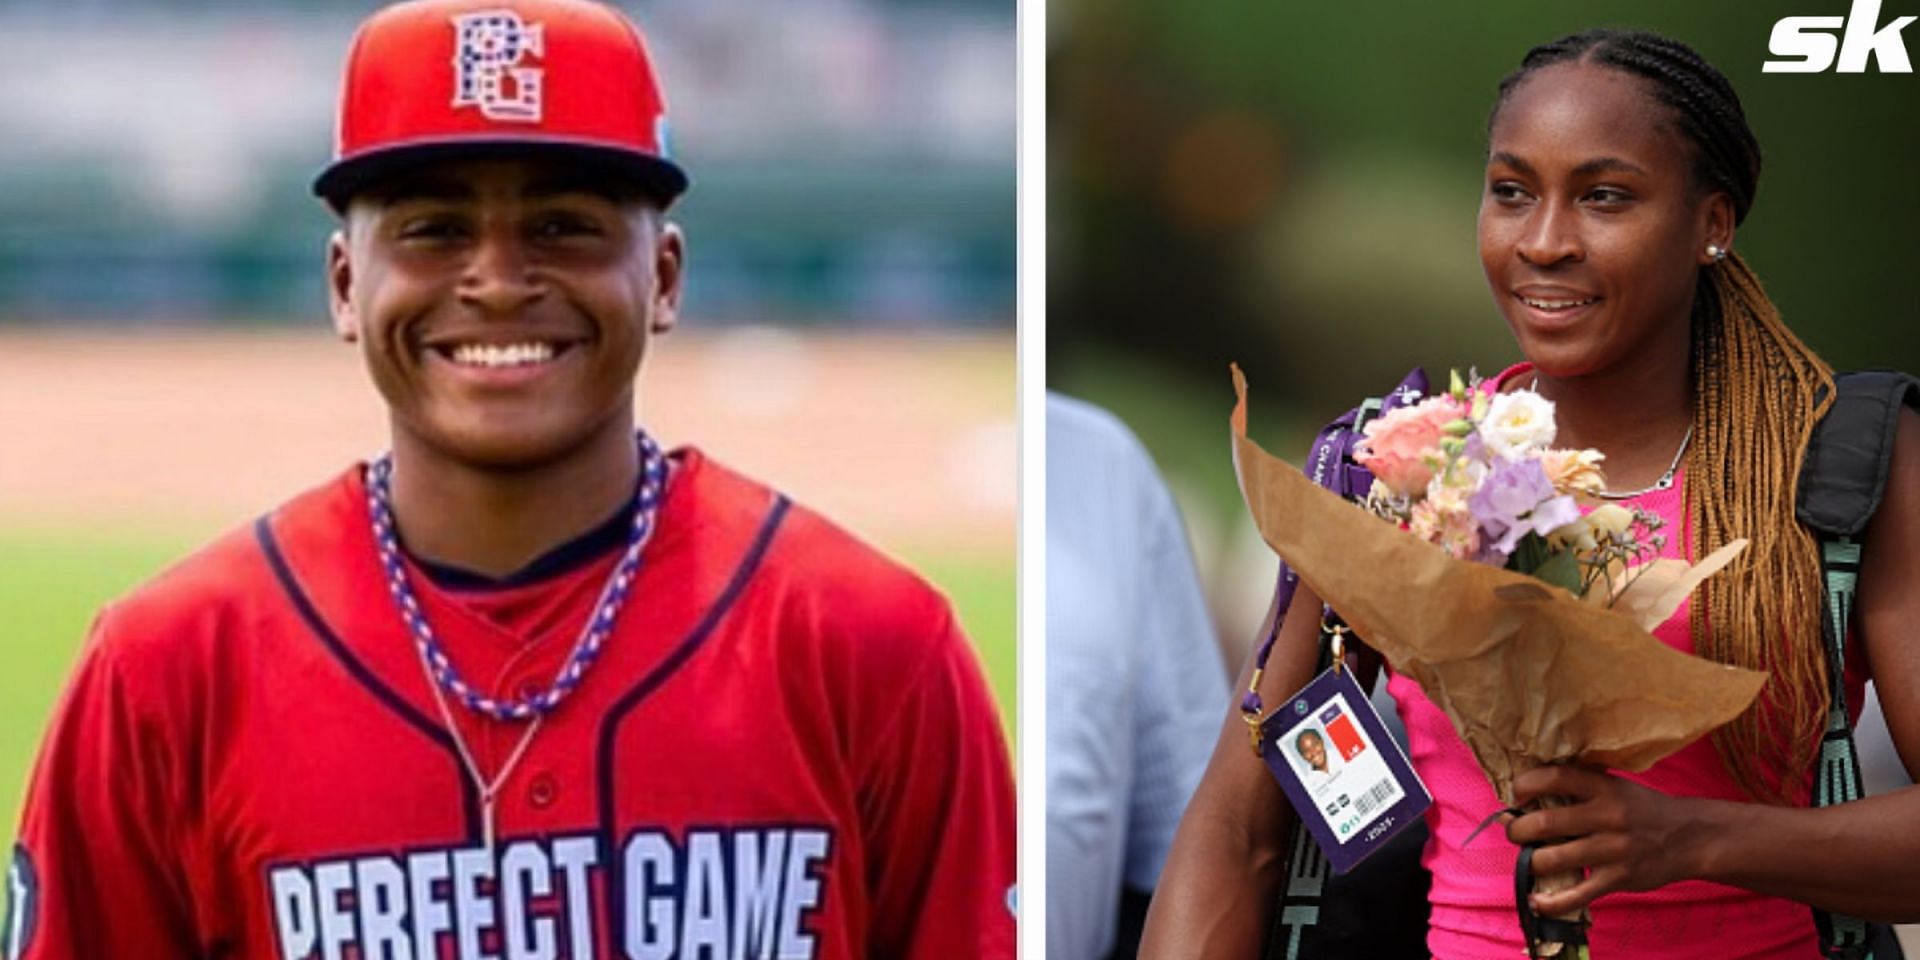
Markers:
point(509, 479)
point(1546, 344)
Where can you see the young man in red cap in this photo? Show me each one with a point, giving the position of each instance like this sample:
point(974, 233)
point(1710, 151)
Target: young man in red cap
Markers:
point(526, 686)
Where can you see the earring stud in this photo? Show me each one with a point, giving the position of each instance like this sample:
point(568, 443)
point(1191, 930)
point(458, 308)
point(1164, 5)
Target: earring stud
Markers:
point(1717, 252)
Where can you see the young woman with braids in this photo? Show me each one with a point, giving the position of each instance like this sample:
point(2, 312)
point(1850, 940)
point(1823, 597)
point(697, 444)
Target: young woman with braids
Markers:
point(1618, 166)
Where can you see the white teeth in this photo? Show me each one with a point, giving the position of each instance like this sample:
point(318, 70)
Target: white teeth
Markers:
point(497, 355)
point(1556, 304)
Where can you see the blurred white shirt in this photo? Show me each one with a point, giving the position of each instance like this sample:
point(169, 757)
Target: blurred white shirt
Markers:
point(1136, 690)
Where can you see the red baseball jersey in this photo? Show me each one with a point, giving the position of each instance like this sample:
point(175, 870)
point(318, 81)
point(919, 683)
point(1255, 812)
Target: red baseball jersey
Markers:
point(785, 750)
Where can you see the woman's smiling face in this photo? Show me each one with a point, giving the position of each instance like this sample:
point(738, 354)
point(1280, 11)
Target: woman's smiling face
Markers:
point(1592, 230)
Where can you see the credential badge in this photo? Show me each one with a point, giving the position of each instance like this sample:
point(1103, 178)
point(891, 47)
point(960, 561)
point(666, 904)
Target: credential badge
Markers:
point(489, 48)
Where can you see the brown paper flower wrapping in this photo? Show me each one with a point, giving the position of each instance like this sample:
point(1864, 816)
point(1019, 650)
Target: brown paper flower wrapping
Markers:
point(1528, 673)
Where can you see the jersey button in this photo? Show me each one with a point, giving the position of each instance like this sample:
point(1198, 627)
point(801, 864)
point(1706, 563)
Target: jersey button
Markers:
point(529, 689)
point(543, 790)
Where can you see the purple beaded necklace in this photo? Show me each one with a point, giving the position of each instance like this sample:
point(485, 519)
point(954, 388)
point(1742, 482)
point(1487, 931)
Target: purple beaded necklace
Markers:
point(653, 473)
point(443, 680)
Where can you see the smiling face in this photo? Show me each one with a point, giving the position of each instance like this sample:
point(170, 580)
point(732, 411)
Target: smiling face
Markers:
point(503, 307)
point(1312, 749)
point(1592, 231)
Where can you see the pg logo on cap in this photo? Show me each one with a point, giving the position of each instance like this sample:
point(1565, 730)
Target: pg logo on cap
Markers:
point(425, 78)
point(489, 47)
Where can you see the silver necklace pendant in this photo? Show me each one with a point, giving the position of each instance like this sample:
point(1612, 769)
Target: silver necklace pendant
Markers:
point(1666, 479)
point(486, 824)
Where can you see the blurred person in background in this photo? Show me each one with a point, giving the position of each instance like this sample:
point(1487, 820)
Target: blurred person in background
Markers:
point(1618, 166)
point(1134, 681)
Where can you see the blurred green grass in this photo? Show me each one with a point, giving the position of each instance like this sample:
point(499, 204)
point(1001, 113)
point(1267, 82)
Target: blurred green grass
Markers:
point(982, 590)
point(52, 582)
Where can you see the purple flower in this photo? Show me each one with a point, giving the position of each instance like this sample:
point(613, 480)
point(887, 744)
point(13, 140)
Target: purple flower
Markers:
point(1548, 517)
point(1510, 490)
point(1516, 499)
point(1476, 448)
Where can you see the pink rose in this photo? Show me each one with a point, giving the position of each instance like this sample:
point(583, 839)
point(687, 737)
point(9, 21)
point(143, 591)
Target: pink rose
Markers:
point(1402, 449)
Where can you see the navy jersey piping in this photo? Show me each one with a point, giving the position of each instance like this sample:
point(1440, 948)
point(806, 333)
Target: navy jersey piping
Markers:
point(263, 532)
point(616, 912)
point(605, 537)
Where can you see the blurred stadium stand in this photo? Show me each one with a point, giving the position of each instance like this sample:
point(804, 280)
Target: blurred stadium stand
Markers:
point(853, 159)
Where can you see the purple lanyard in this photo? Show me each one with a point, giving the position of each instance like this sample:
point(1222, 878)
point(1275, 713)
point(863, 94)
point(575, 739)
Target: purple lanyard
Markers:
point(1330, 464)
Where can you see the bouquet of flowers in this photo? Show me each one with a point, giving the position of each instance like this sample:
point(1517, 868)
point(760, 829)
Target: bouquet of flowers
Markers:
point(1528, 675)
point(1476, 475)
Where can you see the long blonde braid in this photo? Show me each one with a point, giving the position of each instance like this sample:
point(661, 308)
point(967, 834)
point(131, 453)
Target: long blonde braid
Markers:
point(1758, 391)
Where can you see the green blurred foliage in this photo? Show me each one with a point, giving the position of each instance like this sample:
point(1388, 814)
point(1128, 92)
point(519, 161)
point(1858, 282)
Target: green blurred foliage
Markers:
point(1294, 187)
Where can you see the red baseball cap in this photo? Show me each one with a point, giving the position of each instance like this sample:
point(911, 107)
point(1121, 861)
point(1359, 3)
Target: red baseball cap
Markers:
point(440, 79)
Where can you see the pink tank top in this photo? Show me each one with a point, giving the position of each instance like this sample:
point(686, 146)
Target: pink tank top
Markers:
point(1472, 896)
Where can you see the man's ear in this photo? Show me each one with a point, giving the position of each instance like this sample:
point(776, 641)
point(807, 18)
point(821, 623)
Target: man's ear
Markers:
point(346, 323)
point(669, 271)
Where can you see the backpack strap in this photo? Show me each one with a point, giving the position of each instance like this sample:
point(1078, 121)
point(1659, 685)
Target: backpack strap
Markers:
point(1844, 474)
point(1842, 480)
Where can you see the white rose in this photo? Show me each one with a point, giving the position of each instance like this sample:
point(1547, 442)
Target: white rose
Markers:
point(1517, 423)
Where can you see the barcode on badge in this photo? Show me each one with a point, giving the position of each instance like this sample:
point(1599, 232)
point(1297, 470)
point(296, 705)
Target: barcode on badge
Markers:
point(1384, 792)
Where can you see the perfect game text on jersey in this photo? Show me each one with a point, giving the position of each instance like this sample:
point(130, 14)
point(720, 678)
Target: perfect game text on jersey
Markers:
point(735, 893)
